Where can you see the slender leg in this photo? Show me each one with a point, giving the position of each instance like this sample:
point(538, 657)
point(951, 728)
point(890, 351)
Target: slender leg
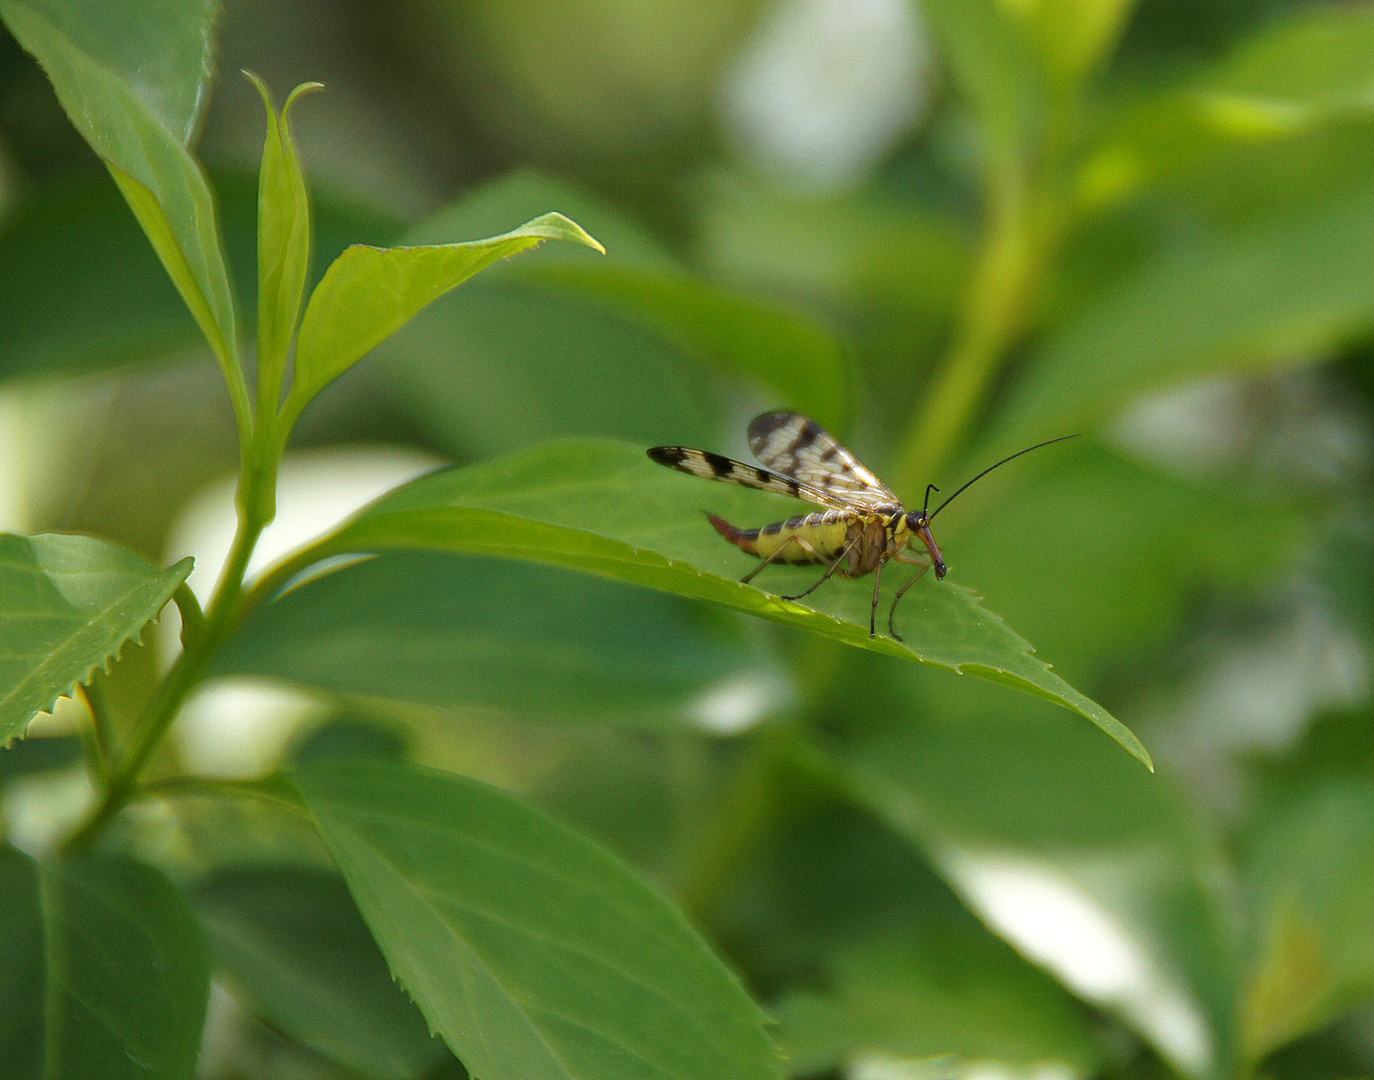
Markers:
point(891, 626)
point(873, 611)
point(839, 560)
point(793, 539)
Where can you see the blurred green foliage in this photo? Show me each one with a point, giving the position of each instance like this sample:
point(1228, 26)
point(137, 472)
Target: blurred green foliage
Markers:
point(1148, 222)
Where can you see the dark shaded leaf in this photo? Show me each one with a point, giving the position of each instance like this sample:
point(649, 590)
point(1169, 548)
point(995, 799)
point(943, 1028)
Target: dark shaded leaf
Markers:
point(104, 970)
point(292, 939)
point(512, 639)
point(532, 950)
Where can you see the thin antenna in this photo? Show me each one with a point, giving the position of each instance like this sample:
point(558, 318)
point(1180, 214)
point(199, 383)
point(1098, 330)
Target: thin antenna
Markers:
point(989, 469)
point(929, 489)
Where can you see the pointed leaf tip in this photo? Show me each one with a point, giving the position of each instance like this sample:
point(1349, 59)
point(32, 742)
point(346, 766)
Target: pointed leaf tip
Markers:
point(260, 85)
point(555, 226)
point(369, 293)
point(305, 89)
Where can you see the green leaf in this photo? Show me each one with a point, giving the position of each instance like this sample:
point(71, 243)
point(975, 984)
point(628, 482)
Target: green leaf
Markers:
point(162, 56)
point(1086, 865)
point(52, 753)
point(1128, 587)
point(523, 194)
point(283, 243)
point(949, 987)
point(124, 309)
point(878, 957)
point(1314, 67)
point(1074, 36)
point(68, 605)
point(605, 508)
point(1283, 290)
point(292, 939)
point(573, 344)
point(132, 80)
point(370, 293)
point(1310, 891)
point(1318, 59)
point(104, 970)
point(793, 357)
point(993, 59)
point(532, 950)
point(511, 639)
point(495, 368)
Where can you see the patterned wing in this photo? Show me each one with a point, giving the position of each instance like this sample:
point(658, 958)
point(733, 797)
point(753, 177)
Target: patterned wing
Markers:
point(717, 467)
point(798, 447)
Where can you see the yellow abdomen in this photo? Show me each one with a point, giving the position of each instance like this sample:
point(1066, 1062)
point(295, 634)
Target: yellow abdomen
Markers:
point(819, 537)
point(806, 538)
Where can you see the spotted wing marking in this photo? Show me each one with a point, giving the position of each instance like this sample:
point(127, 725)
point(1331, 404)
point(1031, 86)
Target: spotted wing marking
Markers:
point(718, 467)
point(800, 448)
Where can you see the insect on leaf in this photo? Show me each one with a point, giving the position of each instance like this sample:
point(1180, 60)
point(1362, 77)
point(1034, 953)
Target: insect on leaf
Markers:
point(602, 507)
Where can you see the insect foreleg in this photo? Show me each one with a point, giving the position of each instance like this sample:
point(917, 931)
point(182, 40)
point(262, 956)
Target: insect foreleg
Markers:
point(829, 570)
point(901, 557)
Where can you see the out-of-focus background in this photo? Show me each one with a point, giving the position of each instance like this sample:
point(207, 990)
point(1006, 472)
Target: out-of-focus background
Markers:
point(985, 224)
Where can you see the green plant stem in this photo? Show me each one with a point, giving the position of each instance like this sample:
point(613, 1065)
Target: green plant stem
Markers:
point(749, 808)
point(170, 787)
point(1004, 275)
point(103, 741)
point(203, 635)
point(222, 616)
point(192, 618)
point(226, 353)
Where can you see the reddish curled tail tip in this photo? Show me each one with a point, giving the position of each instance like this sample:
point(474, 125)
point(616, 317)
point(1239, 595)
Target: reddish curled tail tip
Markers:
point(722, 526)
point(744, 539)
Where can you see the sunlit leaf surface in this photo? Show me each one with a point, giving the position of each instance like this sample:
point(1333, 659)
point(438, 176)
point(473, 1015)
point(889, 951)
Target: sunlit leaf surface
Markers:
point(949, 988)
point(1091, 868)
point(369, 293)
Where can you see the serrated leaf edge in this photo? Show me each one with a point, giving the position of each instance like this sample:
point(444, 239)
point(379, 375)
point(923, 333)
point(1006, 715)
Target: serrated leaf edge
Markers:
point(105, 664)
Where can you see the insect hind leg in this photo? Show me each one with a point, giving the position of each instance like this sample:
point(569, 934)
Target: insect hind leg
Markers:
point(810, 549)
point(793, 539)
point(839, 561)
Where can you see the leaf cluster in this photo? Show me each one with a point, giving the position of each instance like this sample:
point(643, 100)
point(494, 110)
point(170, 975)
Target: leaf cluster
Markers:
point(569, 816)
